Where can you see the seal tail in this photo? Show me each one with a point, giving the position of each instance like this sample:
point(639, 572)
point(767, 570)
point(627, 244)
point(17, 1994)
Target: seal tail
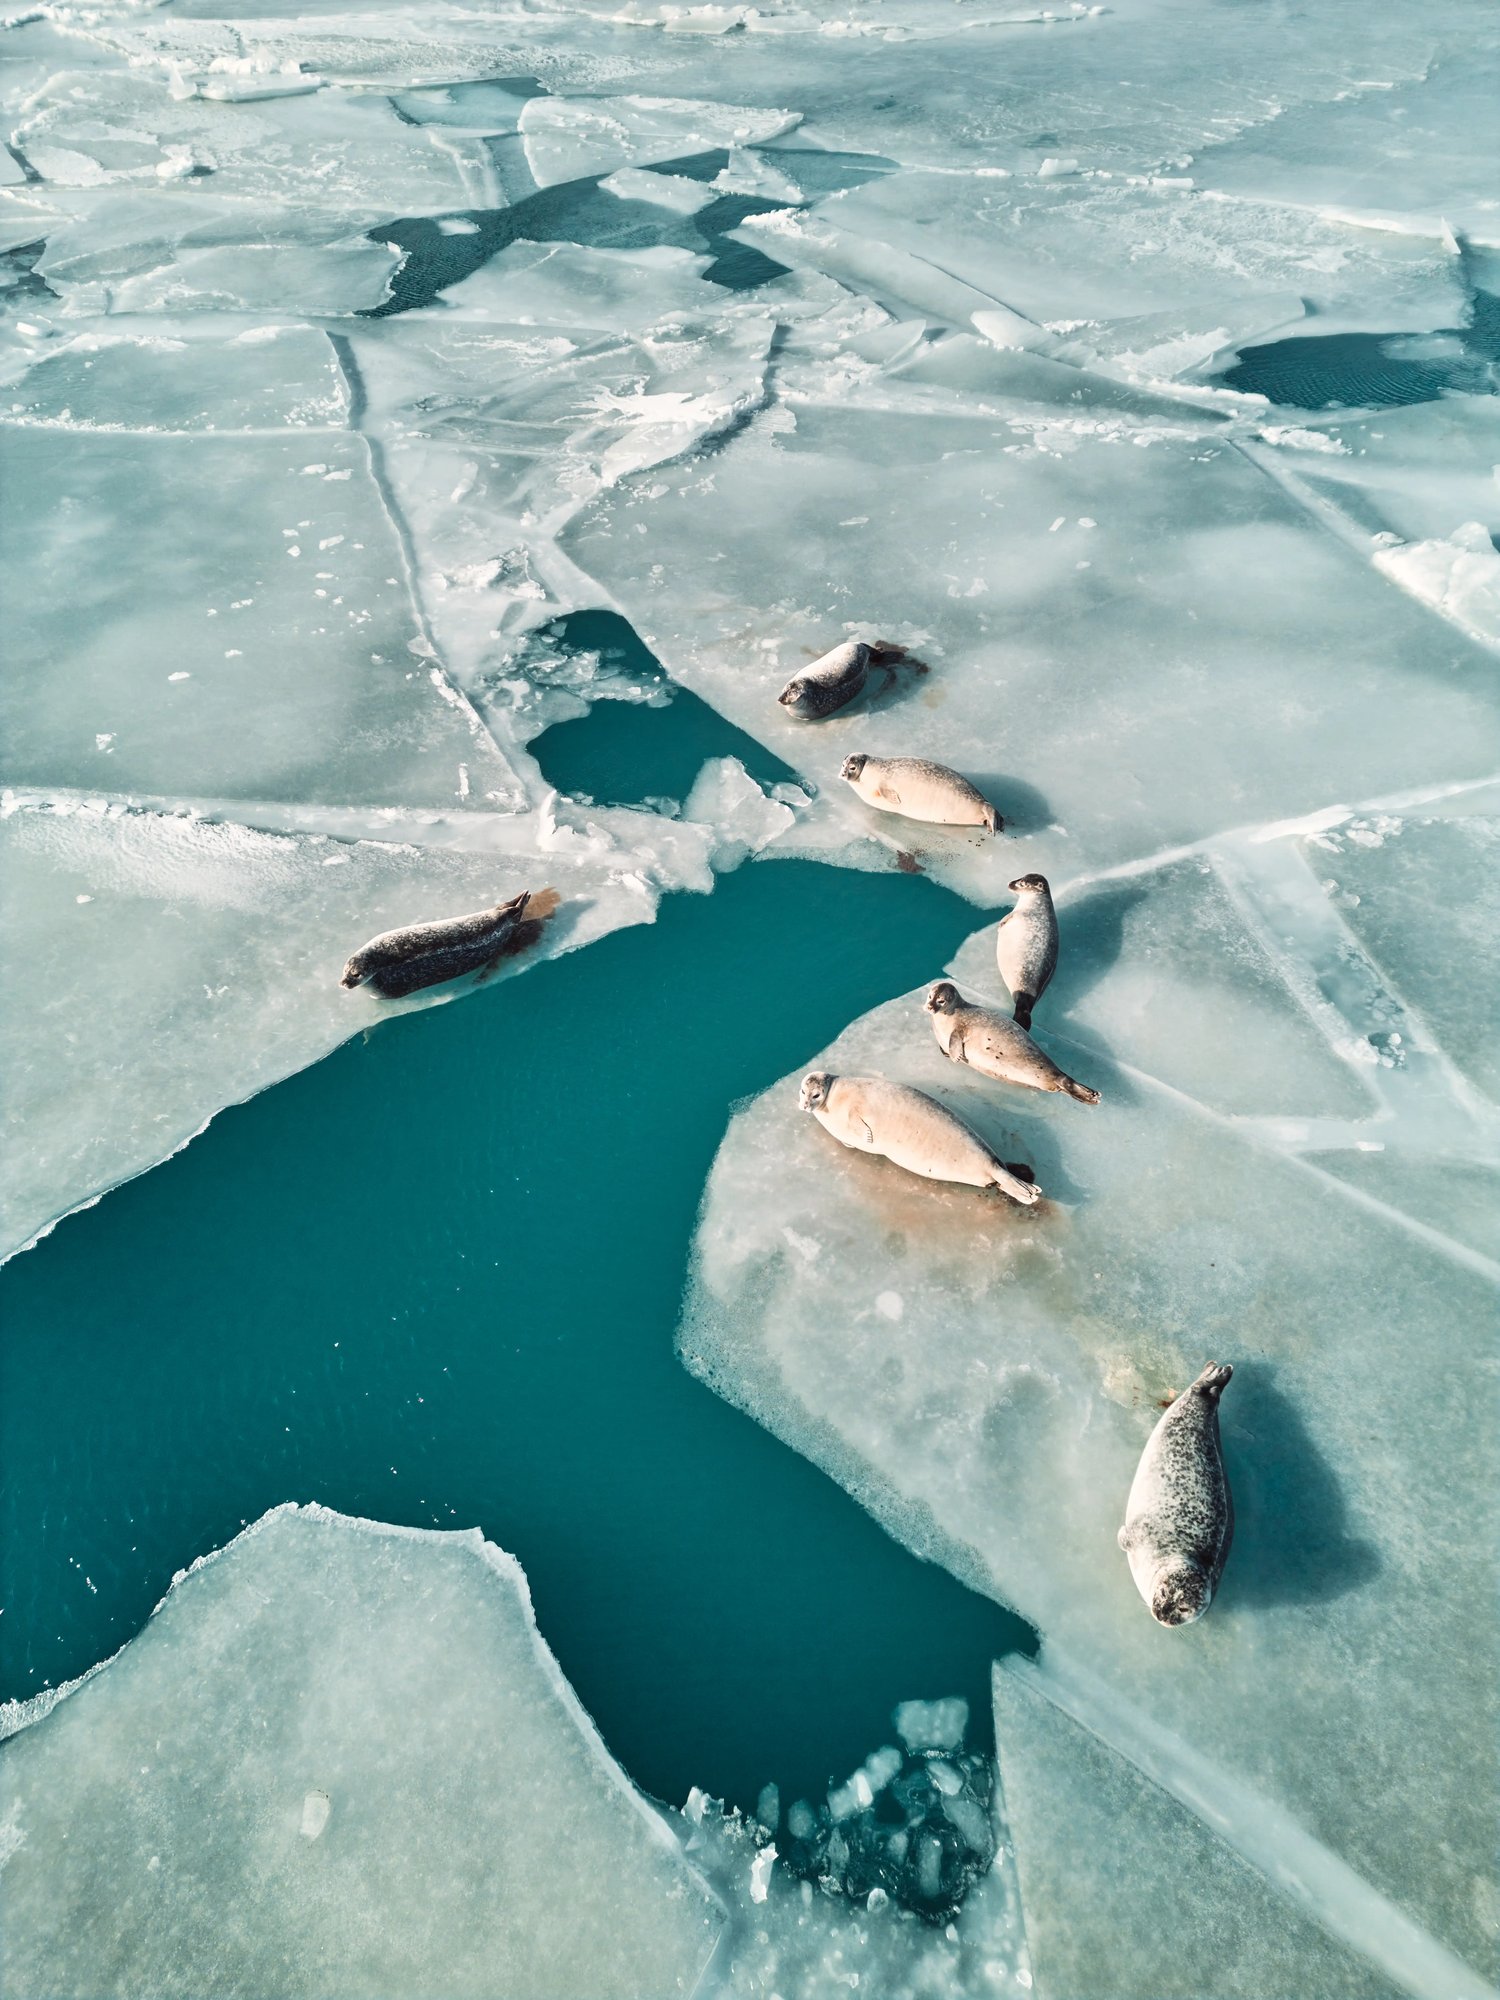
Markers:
point(1214, 1380)
point(993, 819)
point(1024, 1004)
point(1018, 1180)
point(1080, 1090)
point(542, 904)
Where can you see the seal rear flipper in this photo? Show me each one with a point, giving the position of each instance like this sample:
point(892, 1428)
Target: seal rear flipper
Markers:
point(1214, 1379)
point(542, 904)
point(1080, 1090)
point(993, 819)
point(1017, 1180)
point(1024, 1004)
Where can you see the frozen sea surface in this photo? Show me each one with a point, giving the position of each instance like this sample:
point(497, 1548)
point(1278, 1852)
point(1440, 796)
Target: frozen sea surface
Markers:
point(382, 390)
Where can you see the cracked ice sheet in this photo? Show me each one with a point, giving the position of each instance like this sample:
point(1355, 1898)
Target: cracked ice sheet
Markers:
point(161, 967)
point(335, 152)
point(133, 251)
point(1088, 587)
point(330, 1763)
point(1063, 250)
point(497, 431)
point(924, 1344)
point(217, 616)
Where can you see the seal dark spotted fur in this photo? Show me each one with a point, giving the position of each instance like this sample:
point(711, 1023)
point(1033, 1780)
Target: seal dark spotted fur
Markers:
point(1179, 1519)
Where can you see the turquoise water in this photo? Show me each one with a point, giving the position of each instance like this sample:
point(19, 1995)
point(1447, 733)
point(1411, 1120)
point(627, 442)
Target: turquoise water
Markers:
point(435, 1279)
point(1370, 370)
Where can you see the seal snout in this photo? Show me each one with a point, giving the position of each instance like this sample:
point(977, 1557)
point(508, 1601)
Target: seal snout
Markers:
point(350, 977)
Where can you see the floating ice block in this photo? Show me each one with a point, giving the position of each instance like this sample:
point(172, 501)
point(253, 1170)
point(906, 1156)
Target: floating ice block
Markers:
point(339, 1760)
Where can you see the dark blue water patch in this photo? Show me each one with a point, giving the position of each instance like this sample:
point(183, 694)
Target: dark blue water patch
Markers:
point(573, 212)
point(624, 753)
point(1339, 371)
point(435, 1279)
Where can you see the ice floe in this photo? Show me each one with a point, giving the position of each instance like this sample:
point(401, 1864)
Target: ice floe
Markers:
point(331, 1763)
point(994, 1422)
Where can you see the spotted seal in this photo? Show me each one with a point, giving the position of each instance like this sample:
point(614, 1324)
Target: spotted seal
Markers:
point(986, 1041)
point(911, 1129)
point(1026, 944)
point(1179, 1519)
point(920, 789)
point(404, 961)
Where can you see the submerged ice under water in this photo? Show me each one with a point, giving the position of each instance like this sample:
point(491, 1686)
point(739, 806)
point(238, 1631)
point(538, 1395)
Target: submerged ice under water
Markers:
point(378, 387)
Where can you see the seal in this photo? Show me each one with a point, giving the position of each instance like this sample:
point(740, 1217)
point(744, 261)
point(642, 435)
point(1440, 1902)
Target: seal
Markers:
point(404, 961)
point(920, 790)
point(1179, 1519)
point(986, 1041)
point(830, 683)
point(1026, 944)
point(910, 1129)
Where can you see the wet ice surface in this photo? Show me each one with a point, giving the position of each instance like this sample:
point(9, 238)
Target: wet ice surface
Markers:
point(345, 359)
point(307, 1717)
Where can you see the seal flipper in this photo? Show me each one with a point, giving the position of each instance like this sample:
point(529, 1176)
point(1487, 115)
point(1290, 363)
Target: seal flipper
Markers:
point(956, 1050)
point(1214, 1379)
point(1024, 1004)
point(1080, 1090)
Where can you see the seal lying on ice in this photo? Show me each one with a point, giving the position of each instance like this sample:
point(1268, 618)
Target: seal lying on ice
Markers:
point(1179, 1519)
point(1026, 944)
point(829, 683)
point(909, 1128)
point(404, 961)
point(920, 790)
point(986, 1041)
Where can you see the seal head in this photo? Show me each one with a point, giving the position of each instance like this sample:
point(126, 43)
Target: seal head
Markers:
point(852, 767)
point(944, 998)
point(1032, 884)
point(815, 1088)
point(1181, 1596)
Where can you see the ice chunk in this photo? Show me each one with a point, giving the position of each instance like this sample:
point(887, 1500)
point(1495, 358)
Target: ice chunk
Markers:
point(162, 967)
point(744, 818)
point(932, 1725)
point(1458, 575)
point(1049, 1338)
point(803, 1941)
point(673, 191)
point(1097, 1845)
point(337, 1760)
point(134, 556)
point(568, 137)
